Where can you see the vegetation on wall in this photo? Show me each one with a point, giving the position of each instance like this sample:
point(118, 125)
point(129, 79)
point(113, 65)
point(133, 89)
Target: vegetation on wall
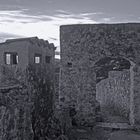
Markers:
point(34, 94)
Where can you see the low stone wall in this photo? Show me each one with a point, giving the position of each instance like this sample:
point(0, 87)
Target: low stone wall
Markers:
point(113, 93)
point(26, 109)
point(15, 114)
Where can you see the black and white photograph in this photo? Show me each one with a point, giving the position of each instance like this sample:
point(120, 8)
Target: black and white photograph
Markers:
point(69, 69)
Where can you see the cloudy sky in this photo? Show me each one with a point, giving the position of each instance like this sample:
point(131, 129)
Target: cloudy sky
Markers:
point(42, 18)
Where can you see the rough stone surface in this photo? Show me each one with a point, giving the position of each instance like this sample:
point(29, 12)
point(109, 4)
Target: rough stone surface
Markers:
point(136, 97)
point(124, 135)
point(113, 93)
point(27, 92)
point(57, 75)
point(15, 115)
point(81, 47)
point(26, 110)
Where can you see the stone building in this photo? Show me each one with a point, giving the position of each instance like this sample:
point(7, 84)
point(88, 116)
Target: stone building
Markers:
point(100, 63)
point(26, 88)
point(26, 51)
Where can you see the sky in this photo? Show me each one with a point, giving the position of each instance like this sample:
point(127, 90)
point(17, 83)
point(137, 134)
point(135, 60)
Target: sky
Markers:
point(42, 18)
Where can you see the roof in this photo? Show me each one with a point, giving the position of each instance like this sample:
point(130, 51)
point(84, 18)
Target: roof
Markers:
point(30, 39)
point(21, 39)
point(102, 24)
point(18, 39)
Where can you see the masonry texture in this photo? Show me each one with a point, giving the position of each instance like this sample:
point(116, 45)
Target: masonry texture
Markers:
point(26, 106)
point(15, 115)
point(57, 75)
point(27, 90)
point(26, 49)
point(81, 47)
point(113, 94)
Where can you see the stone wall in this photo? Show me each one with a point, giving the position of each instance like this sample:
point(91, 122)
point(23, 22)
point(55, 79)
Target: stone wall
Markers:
point(81, 47)
point(26, 106)
point(57, 76)
point(15, 114)
point(136, 96)
point(113, 93)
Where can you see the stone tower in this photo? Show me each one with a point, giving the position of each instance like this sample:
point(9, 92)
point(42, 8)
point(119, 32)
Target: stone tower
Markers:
point(85, 46)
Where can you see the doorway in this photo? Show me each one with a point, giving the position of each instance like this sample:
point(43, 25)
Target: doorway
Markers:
point(114, 89)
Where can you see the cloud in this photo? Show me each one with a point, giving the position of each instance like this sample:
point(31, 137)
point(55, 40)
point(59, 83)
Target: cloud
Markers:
point(53, 38)
point(66, 14)
point(62, 11)
point(20, 16)
point(91, 14)
point(21, 23)
point(4, 36)
point(24, 22)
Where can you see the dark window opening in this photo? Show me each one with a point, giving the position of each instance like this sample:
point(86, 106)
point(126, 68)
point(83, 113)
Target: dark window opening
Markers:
point(15, 58)
point(37, 58)
point(11, 58)
point(48, 59)
point(57, 70)
point(107, 64)
point(69, 64)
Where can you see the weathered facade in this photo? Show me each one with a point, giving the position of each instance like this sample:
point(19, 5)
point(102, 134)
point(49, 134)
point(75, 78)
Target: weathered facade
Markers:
point(82, 46)
point(25, 51)
point(57, 76)
point(26, 88)
point(113, 94)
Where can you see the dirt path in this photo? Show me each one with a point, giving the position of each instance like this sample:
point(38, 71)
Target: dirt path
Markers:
point(102, 134)
point(125, 135)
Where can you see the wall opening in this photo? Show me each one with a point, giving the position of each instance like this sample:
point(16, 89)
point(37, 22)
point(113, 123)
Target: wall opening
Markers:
point(37, 58)
point(69, 64)
point(48, 59)
point(11, 58)
point(114, 88)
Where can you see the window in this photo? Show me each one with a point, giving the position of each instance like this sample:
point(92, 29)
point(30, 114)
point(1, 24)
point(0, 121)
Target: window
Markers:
point(11, 58)
point(48, 59)
point(37, 58)
point(8, 58)
point(15, 59)
point(69, 64)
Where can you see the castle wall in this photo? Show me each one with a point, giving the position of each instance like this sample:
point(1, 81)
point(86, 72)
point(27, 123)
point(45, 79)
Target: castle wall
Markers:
point(25, 108)
point(15, 115)
point(136, 96)
point(81, 47)
point(57, 78)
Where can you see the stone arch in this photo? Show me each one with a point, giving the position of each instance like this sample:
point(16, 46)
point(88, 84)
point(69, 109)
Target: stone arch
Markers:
point(105, 65)
point(85, 45)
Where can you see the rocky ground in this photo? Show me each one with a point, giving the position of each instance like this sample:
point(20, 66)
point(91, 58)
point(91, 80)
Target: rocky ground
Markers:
point(99, 133)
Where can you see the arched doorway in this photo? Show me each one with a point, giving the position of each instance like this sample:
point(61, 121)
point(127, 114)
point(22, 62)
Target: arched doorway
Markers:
point(114, 89)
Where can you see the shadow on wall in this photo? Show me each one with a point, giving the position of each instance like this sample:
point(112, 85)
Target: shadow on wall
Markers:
point(113, 88)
